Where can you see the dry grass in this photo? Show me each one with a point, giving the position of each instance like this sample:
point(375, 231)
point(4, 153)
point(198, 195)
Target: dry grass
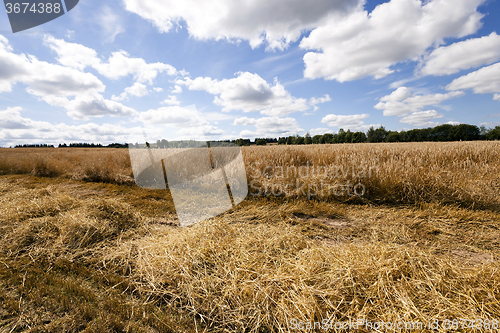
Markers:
point(458, 172)
point(464, 173)
point(108, 257)
point(93, 165)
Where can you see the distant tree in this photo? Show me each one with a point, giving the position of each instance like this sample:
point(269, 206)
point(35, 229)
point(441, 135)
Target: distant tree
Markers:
point(493, 133)
point(260, 142)
point(307, 139)
point(392, 137)
point(281, 141)
point(243, 142)
point(466, 132)
point(317, 139)
point(483, 131)
point(348, 136)
point(442, 133)
point(328, 138)
point(290, 140)
point(358, 137)
point(299, 140)
point(341, 136)
point(376, 135)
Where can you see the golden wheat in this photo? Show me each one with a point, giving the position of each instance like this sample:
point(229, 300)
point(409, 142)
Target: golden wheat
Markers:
point(272, 262)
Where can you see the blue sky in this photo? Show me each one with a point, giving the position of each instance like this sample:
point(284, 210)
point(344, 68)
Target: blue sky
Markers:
point(117, 71)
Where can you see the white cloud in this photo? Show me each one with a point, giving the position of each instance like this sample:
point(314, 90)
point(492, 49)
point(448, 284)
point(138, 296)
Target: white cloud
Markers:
point(171, 100)
point(87, 105)
point(172, 116)
point(363, 44)
point(249, 92)
point(496, 97)
point(11, 119)
point(157, 89)
point(186, 122)
point(274, 21)
point(55, 84)
point(72, 54)
point(42, 77)
point(353, 122)
point(269, 127)
point(319, 131)
point(138, 90)
point(177, 90)
point(463, 55)
point(15, 129)
point(483, 81)
point(245, 121)
point(315, 101)
point(422, 118)
point(200, 132)
point(402, 102)
point(110, 23)
point(119, 64)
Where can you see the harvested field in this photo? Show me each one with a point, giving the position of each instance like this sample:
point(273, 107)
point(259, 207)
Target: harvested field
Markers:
point(97, 253)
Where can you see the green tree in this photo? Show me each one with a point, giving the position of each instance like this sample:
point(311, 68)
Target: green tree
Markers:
point(341, 136)
point(377, 135)
point(358, 137)
point(393, 137)
point(317, 139)
point(493, 133)
point(328, 138)
point(260, 142)
point(348, 136)
point(307, 139)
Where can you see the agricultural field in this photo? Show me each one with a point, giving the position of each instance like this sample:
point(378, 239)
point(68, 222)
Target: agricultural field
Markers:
point(390, 232)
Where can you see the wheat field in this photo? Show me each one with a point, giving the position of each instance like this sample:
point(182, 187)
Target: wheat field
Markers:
point(83, 249)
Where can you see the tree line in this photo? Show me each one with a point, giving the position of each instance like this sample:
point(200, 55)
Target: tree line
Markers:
point(446, 132)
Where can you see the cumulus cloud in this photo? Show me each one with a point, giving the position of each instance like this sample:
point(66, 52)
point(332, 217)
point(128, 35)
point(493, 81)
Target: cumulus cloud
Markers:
point(463, 55)
point(78, 92)
point(16, 129)
point(41, 77)
point(177, 90)
point(422, 118)
point(315, 101)
point(186, 122)
point(249, 92)
point(269, 126)
point(367, 44)
point(353, 122)
point(496, 97)
point(483, 81)
point(87, 105)
point(402, 102)
point(244, 121)
point(276, 22)
point(119, 64)
point(11, 119)
point(138, 90)
point(319, 131)
point(171, 100)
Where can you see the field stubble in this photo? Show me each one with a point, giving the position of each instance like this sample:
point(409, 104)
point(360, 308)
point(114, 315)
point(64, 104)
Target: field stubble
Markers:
point(88, 256)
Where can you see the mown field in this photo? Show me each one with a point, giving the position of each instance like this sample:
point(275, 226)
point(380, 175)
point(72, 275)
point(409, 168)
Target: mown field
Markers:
point(376, 232)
